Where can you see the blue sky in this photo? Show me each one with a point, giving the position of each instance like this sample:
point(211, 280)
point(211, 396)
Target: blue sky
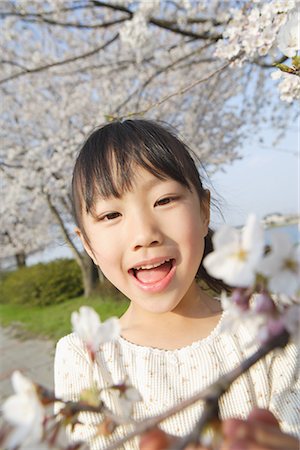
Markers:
point(266, 180)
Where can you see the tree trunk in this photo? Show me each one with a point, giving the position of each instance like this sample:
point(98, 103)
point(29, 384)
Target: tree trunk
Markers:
point(90, 275)
point(20, 260)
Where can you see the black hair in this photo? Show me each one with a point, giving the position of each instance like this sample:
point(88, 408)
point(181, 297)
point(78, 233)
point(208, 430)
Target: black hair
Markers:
point(106, 163)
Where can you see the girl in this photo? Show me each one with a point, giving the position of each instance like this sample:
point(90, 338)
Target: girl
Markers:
point(143, 217)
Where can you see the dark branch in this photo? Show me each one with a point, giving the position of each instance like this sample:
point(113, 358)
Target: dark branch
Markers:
point(221, 386)
point(114, 7)
point(60, 63)
point(265, 65)
point(175, 29)
point(40, 19)
point(13, 63)
point(166, 24)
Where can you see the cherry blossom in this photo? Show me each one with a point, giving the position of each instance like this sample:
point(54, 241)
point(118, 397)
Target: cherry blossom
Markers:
point(25, 412)
point(291, 320)
point(128, 396)
point(282, 266)
point(236, 253)
point(233, 314)
point(289, 86)
point(254, 29)
point(86, 323)
point(288, 39)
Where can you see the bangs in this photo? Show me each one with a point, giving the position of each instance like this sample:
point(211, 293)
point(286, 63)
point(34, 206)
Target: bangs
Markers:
point(107, 162)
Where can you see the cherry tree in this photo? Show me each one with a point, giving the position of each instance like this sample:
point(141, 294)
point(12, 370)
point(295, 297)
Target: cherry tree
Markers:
point(19, 239)
point(68, 66)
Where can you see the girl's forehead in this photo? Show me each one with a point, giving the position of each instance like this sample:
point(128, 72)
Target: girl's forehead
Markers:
point(141, 175)
point(141, 180)
point(128, 178)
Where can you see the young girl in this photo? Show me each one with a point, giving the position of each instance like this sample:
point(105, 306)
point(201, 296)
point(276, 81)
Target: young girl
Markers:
point(143, 217)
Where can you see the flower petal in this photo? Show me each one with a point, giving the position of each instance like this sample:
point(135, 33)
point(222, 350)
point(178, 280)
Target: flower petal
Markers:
point(21, 383)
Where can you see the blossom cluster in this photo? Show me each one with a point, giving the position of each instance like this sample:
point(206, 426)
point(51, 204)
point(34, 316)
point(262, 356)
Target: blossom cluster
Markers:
point(265, 277)
point(254, 32)
point(260, 31)
point(136, 34)
point(289, 86)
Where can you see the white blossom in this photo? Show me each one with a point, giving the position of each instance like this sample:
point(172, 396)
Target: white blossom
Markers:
point(289, 87)
point(289, 35)
point(234, 316)
point(276, 75)
point(282, 266)
point(86, 323)
point(236, 253)
point(127, 401)
point(253, 30)
point(128, 396)
point(24, 412)
point(291, 320)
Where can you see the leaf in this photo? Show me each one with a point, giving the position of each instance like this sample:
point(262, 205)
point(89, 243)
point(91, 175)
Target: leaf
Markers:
point(285, 68)
point(296, 62)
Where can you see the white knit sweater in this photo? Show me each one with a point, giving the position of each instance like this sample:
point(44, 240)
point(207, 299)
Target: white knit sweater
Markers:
point(165, 377)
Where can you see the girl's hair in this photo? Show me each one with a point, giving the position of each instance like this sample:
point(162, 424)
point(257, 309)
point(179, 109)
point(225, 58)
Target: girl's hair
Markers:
point(106, 163)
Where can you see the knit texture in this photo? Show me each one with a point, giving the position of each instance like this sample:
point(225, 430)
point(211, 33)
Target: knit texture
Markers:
point(165, 377)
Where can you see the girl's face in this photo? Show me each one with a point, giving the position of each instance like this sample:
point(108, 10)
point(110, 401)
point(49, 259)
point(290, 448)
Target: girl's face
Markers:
point(149, 243)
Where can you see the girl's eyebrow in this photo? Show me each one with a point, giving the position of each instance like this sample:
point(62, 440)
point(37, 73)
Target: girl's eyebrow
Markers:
point(152, 182)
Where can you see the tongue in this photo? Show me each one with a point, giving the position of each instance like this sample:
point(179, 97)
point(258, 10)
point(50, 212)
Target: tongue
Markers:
point(153, 275)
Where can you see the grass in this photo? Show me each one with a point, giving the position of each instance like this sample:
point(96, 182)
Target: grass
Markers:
point(54, 321)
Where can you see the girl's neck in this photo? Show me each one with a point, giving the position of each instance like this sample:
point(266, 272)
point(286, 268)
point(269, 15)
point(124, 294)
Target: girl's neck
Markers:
point(175, 329)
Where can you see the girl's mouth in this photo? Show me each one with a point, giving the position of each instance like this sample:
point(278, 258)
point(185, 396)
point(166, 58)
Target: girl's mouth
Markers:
point(156, 276)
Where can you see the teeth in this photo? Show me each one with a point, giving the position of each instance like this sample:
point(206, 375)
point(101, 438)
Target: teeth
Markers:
point(152, 266)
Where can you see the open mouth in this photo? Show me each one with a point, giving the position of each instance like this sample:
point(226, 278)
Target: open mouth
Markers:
point(152, 273)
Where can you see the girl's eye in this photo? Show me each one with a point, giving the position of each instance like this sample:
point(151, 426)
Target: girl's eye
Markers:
point(165, 201)
point(110, 216)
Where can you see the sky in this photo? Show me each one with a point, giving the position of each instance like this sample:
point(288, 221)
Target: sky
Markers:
point(264, 181)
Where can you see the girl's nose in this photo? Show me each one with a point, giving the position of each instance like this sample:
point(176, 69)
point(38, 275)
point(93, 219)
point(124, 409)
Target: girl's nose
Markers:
point(145, 232)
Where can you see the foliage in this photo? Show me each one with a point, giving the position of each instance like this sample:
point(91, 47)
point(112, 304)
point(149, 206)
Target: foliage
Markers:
point(42, 284)
point(53, 321)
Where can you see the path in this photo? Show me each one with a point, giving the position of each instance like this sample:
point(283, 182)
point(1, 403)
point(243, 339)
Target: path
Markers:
point(33, 356)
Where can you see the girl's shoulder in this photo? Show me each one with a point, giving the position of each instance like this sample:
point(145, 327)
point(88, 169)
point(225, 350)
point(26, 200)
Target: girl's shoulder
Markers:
point(70, 340)
point(69, 346)
point(72, 345)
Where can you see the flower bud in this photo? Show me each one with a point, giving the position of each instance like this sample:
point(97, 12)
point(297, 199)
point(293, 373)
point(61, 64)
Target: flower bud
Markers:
point(106, 427)
point(241, 298)
point(264, 303)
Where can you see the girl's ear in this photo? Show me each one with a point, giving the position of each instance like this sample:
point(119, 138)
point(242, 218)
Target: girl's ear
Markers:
point(85, 244)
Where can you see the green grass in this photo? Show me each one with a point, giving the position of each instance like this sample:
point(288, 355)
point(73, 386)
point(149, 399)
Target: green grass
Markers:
point(54, 321)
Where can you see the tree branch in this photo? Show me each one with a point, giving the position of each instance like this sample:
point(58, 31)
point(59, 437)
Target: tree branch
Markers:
point(166, 25)
point(60, 63)
point(38, 18)
point(64, 230)
point(211, 395)
point(155, 75)
point(173, 94)
point(264, 65)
